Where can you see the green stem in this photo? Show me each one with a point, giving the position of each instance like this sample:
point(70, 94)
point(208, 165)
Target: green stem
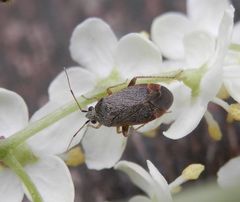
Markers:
point(16, 139)
point(33, 128)
point(17, 168)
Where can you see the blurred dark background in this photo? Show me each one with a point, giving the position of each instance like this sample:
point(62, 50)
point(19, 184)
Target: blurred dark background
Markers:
point(34, 40)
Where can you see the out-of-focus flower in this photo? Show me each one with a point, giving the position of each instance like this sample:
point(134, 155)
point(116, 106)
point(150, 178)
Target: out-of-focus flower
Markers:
point(107, 62)
point(228, 174)
point(153, 183)
point(47, 171)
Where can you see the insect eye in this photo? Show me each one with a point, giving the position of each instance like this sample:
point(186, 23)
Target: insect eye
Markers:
point(93, 121)
point(90, 108)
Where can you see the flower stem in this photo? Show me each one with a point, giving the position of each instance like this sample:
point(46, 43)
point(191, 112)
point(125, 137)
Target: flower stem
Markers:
point(21, 136)
point(17, 168)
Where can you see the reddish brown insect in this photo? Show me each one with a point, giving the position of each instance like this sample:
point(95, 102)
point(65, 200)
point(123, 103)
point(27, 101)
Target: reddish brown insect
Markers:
point(134, 105)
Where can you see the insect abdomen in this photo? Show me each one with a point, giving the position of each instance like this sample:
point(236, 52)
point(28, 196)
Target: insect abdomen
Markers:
point(134, 105)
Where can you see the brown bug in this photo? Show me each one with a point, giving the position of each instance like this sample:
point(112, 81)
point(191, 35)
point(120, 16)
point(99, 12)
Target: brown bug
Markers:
point(136, 104)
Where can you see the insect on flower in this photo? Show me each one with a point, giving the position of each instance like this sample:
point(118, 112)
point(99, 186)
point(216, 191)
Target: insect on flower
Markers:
point(134, 105)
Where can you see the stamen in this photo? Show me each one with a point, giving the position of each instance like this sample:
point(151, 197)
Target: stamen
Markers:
point(176, 183)
point(213, 127)
point(192, 172)
point(144, 34)
point(234, 111)
point(151, 133)
point(223, 93)
point(221, 103)
point(74, 157)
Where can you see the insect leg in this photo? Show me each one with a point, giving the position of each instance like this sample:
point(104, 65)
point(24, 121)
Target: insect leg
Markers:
point(118, 129)
point(89, 98)
point(136, 129)
point(109, 91)
point(164, 76)
point(125, 130)
point(96, 127)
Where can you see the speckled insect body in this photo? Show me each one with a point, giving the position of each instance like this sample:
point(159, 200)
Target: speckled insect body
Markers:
point(137, 104)
point(134, 105)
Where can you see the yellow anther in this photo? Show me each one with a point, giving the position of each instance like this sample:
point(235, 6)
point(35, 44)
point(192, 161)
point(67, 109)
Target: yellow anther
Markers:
point(234, 111)
point(144, 34)
point(215, 131)
point(192, 172)
point(151, 133)
point(213, 127)
point(229, 119)
point(75, 157)
point(223, 93)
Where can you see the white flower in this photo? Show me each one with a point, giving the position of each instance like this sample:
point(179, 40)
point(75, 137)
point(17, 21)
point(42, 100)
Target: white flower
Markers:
point(170, 30)
point(49, 173)
point(232, 67)
point(209, 82)
point(107, 62)
point(228, 174)
point(153, 183)
point(192, 38)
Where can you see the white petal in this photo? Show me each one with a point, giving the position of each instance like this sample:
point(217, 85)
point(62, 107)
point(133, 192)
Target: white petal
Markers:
point(236, 33)
point(162, 189)
point(187, 121)
point(13, 113)
point(231, 72)
point(172, 65)
point(206, 14)
point(10, 187)
point(211, 83)
point(138, 176)
point(150, 125)
point(92, 45)
point(168, 31)
point(103, 147)
point(52, 179)
point(229, 175)
point(199, 47)
point(56, 138)
point(212, 80)
point(137, 56)
point(140, 199)
point(81, 81)
point(225, 31)
point(232, 81)
point(181, 100)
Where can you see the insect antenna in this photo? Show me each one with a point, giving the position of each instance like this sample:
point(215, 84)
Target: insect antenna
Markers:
point(74, 97)
point(77, 133)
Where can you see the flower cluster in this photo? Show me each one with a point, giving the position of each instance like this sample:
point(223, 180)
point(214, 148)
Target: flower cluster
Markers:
point(202, 51)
